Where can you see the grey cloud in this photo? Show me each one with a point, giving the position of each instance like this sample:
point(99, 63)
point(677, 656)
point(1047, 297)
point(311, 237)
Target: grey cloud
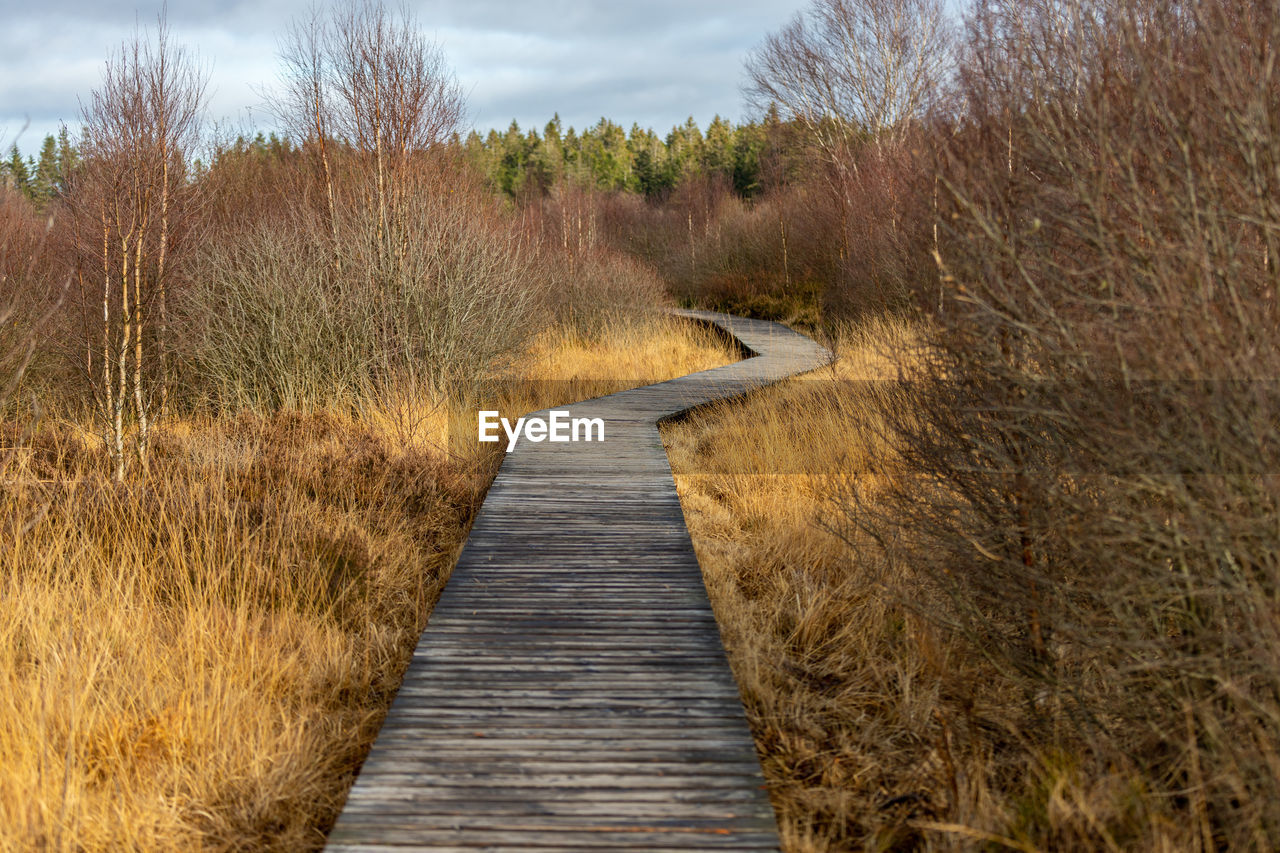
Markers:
point(128, 13)
point(632, 20)
point(651, 62)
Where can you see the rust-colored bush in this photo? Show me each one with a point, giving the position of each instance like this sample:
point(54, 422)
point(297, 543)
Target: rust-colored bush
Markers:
point(1093, 428)
point(22, 289)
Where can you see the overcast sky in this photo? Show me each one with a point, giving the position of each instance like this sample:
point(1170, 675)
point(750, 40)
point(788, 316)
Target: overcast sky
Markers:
point(654, 62)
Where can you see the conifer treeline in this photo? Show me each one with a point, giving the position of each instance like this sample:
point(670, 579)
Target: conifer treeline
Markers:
point(745, 158)
point(523, 163)
point(41, 179)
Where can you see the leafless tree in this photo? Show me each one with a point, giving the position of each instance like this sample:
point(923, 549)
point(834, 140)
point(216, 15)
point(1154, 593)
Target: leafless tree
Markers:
point(141, 126)
point(303, 102)
point(845, 66)
point(852, 72)
point(370, 81)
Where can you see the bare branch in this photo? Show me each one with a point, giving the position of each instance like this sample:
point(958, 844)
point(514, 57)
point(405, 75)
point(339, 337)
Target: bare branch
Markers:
point(845, 66)
point(141, 126)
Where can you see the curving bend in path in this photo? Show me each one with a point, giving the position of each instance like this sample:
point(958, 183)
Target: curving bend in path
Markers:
point(570, 691)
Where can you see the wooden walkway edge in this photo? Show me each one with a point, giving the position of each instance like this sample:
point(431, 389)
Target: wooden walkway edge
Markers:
point(570, 691)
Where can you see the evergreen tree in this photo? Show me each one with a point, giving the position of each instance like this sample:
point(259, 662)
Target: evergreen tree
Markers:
point(513, 164)
point(648, 156)
point(478, 154)
point(747, 158)
point(749, 143)
point(47, 182)
point(19, 176)
point(539, 172)
point(488, 154)
point(604, 148)
point(575, 168)
point(68, 158)
point(717, 150)
point(684, 151)
point(546, 160)
point(551, 133)
point(783, 149)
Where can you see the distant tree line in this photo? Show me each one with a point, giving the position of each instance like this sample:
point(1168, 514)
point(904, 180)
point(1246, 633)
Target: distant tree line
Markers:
point(44, 178)
point(744, 158)
point(525, 163)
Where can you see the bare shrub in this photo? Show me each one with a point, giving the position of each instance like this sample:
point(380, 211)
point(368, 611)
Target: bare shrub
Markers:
point(32, 291)
point(601, 288)
point(277, 325)
point(258, 180)
point(570, 219)
point(818, 253)
point(1093, 432)
point(582, 244)
point(19, 245)
point(889, 232)
point(390, 267)
point(768, 257)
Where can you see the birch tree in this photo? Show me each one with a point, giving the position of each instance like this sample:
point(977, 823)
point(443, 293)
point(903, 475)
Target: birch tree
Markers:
point(368, 81)
point(844, 67)
point(141, 126)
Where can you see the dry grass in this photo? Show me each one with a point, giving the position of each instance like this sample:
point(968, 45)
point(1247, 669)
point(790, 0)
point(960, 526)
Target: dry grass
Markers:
point(200, 659)
point(839, 682)
point(881, 721)
point(623, 353)
point(195, 661)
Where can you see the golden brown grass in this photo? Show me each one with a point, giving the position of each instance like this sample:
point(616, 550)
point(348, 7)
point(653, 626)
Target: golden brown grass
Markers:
point(837, 681)
point(880, 725)
point(200, 659)
point(626, 351)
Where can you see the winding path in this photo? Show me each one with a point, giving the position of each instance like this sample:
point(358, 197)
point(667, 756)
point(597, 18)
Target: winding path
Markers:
point(570, 691)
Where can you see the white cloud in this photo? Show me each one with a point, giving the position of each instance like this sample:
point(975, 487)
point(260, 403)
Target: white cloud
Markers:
point(651, 62)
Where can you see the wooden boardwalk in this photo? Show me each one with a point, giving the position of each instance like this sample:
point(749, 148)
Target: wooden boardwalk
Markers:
point(570, 691)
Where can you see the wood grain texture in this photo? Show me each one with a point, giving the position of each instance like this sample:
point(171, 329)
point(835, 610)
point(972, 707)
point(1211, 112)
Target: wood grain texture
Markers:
point(570, 691)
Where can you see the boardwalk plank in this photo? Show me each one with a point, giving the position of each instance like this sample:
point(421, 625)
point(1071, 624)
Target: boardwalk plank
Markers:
point(570, 691)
